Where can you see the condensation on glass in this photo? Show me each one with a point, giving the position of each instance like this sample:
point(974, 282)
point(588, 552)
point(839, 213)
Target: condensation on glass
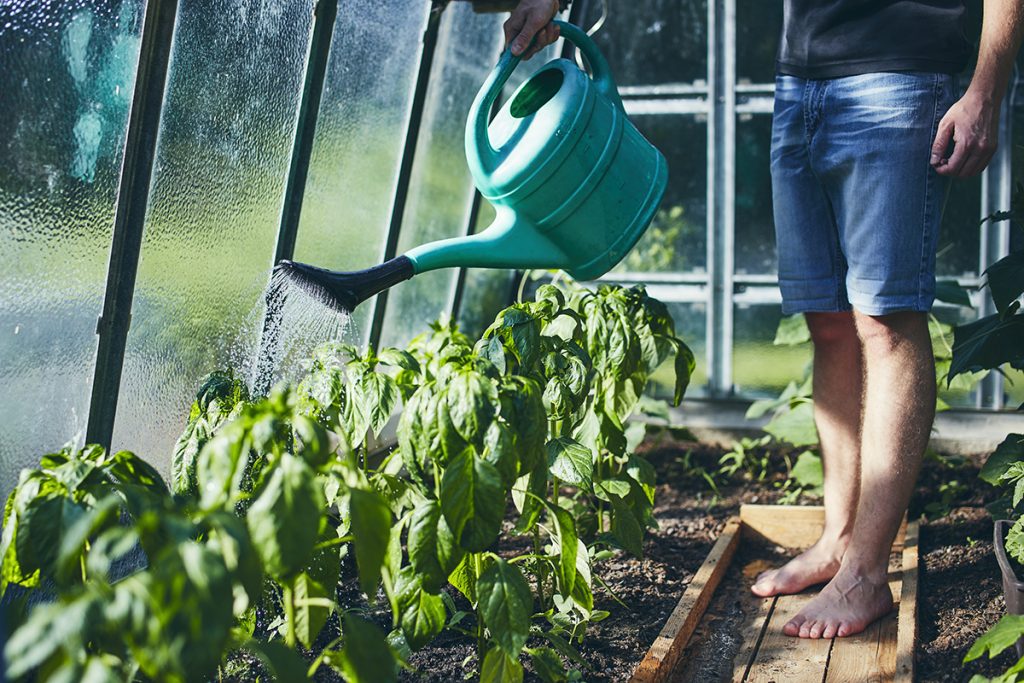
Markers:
point(441, 189)
point(225, 140)
point(360, 135)
point(66, 77)
point(676, 240)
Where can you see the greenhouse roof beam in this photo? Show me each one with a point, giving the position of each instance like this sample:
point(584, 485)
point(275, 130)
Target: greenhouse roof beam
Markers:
point(305, 128)
point(130, 216)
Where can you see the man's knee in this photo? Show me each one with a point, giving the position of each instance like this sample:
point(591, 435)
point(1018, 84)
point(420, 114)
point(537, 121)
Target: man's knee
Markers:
point(884, 333)
point(831, 329)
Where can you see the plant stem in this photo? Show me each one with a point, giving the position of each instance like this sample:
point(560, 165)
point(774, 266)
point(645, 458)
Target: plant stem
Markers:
point(480, 644)
point(289, 614)
point(541, 570)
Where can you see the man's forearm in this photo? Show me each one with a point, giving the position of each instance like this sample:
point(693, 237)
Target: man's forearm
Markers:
point(1001, 33)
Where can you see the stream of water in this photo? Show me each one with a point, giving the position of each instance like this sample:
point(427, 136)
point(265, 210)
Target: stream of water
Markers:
point(280, 346)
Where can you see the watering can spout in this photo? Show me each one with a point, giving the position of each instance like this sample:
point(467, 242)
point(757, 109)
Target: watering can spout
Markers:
point(345, 290)
point(510, 241)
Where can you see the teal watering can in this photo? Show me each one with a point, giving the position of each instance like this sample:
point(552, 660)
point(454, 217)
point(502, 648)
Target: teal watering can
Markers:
point(573, 182)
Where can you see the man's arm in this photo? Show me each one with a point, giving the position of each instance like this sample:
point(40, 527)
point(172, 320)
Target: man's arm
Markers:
point(531, 19)
point(973, 122)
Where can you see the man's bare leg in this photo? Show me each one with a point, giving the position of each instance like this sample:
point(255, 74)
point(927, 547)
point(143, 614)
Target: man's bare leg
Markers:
point(899, 408)
point(838, 382)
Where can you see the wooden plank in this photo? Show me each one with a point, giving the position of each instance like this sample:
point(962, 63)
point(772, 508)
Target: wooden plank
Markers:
point(791, 526)
point(782, 658)
point(752, 633)
point(906, 642)
point(870, 656)
point(664, 654)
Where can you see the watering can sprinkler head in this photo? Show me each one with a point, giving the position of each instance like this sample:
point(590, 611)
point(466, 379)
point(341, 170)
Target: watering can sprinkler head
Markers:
point(345, 291)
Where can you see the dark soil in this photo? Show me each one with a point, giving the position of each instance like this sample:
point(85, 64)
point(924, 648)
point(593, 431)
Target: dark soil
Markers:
point(960, 594)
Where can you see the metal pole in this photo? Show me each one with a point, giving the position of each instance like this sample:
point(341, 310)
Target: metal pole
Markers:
point(305, 128)
point(996, 194)
point(130, 216)
point(721, 190)
point(412, 135)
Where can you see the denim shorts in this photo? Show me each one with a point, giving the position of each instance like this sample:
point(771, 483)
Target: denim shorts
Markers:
point(857, 204)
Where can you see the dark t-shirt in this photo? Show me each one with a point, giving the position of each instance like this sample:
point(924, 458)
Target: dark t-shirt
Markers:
point(836, 38)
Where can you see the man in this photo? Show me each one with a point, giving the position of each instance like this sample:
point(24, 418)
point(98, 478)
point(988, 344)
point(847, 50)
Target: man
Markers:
point(867, 130)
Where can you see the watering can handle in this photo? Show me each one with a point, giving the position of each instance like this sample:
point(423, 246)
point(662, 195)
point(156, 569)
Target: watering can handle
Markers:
point(479, 142)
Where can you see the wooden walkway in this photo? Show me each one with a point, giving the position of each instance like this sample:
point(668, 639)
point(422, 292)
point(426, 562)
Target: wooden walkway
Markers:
point(882, 653)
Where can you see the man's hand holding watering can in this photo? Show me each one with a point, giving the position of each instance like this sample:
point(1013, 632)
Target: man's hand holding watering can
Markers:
point(531, 20)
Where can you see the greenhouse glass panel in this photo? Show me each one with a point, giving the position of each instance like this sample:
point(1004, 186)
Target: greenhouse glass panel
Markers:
point(759, 367)
point(441, 190)
point(222, 159)
point(758, 27)
point(755, 224)
point(653, 42)
point(360, 134)
point(66, 83)
point(677, 239)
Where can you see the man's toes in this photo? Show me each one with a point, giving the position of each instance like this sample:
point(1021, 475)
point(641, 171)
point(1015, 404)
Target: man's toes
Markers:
point(805, 628)
point(792, 627)
point(847, 628)
point(830, 630)
point(817, 628)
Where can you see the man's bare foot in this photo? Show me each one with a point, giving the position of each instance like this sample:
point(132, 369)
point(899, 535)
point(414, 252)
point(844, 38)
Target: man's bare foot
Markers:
point(817, 564)
point(846, 606)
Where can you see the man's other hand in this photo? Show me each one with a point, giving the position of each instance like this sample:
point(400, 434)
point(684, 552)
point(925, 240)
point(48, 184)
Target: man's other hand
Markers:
point(972, 125)
point(531, 20)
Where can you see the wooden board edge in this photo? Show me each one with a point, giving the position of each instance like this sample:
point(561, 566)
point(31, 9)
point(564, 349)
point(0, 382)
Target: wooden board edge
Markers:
point(661, 659)
point(789, 526)
point(906, 633)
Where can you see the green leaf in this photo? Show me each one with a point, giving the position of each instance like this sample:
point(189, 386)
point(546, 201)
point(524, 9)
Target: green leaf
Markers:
point(642, 472)
point(547, 665)
point(424, 546)
point(49, 628)
point(795, 426)
point(222, 466)
point(42, 525)
point(500, 668)
point(472, 400)
point(127, 468)
point(310, 589)
point(421, 614)
point(808, 470)
point(685, 365)
point(506, 603)
point(1006, 280)
point(951, 292)
point(283, 663)
point(284, 520)
point(1015, 541)
point(626, 529)
point(792, 330)
point(571, 462)
point(378, 394)
point(366, 657)
point(472, 501)
point(987, 344)
point(500, 451)
point(371, 530)
point(568, 546)
point(1011, 450)
point(464, 578)
point(998, 638)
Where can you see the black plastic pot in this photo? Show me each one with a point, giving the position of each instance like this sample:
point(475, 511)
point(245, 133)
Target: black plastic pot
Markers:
point(1013, 586)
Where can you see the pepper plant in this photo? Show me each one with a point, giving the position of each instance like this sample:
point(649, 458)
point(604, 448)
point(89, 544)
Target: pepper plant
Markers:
point(272, 498)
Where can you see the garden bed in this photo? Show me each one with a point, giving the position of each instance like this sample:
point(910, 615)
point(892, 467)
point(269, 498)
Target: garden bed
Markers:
point(955, 553)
